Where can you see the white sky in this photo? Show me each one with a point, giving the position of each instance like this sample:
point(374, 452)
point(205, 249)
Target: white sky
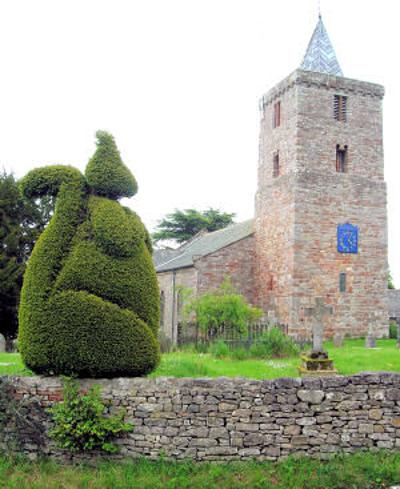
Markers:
point(177, 82)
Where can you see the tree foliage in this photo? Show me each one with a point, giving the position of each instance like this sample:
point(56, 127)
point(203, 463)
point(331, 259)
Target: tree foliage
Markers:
point(183, 225)
point(90, 299)
point(21, 222)
point(224, 309)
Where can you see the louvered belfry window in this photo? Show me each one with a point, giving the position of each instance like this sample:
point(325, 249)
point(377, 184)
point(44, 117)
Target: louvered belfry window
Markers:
point(340, 108)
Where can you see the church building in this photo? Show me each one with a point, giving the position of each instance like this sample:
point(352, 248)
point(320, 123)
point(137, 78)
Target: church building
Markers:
point(320, 225)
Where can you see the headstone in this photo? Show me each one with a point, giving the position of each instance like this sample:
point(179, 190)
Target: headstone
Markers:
point(338, 340)
point(398, 331)
point(370, 340)
point(2, 344)
point(272, 319)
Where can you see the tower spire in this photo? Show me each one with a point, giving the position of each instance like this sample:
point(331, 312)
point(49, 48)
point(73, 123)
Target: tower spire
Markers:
point(320, 55)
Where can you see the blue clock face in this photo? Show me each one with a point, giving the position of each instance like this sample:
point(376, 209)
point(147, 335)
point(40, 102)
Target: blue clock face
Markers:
point(347, 238)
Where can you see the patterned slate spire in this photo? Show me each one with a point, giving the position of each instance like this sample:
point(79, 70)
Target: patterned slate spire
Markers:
point(320, 55)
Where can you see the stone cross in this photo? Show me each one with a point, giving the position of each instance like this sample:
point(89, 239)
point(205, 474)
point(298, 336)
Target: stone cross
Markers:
point(2, 344)
point(317, 314)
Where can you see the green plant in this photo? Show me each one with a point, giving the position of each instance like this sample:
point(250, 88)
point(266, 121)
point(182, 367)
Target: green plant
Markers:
point(219, 349)
point(90, 300)
point(274, 344)
point(223, 309)
point(239, 354)
point(393, 330)
point(201, 347)
point(80, 423)
point(21, 222)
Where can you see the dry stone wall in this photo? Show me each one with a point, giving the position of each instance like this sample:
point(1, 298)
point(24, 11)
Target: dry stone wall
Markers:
point(224, 419)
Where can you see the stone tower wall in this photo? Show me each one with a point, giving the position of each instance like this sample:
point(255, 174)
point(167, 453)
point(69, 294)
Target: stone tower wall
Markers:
point(274, 214)
point(305, 205)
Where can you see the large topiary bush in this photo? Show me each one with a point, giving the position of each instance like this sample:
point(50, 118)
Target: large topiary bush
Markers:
point(89, 302)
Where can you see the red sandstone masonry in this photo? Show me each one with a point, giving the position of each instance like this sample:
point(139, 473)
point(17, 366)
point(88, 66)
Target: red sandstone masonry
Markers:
point(235, 261)
point(226, 419)
point(297, 213)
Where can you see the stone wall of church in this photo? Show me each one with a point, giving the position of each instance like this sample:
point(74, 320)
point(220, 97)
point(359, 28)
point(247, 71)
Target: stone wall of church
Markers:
point(235, 261)
point(297, 213)
point(170, 284)
point(326, 198)
point(274, 203)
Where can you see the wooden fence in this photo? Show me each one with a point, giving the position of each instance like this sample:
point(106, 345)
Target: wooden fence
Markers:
point(191, 333)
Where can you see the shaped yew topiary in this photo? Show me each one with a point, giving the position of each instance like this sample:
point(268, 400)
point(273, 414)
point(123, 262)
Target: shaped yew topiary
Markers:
point(90, 301)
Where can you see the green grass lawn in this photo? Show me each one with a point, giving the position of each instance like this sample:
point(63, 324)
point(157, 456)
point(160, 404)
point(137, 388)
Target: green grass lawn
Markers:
point(11, 364)
point(349, 359)
point(359, 471)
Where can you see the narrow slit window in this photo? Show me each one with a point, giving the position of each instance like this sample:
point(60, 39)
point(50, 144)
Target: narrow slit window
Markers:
point(342, 282)
point(276, 122)
point(341, 159)
point(340, 108)
point(276, 165)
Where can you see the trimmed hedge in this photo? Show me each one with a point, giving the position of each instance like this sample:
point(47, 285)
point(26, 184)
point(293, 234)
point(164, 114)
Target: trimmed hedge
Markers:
point(105, 172)
point(90, 300)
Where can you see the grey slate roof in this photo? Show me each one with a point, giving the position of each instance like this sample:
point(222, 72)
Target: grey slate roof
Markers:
point(163, 254)
point(204, 244)
point(320, 55)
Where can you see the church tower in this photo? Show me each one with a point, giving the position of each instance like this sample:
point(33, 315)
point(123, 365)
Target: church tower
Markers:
point(320, 218)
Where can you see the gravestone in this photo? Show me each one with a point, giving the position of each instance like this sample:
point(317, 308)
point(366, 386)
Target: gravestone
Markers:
point(2, 344)
point(317, 362)
point(370, 340)
point(398, 331)
point(272, 319)
point(338, 340)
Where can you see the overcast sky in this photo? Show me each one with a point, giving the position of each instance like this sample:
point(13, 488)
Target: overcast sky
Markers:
point(177, 82)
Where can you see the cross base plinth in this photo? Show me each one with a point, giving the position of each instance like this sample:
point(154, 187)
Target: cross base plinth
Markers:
point(317, 364)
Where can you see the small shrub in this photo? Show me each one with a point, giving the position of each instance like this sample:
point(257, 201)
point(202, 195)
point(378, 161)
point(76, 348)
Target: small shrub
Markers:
point(223, 310)
point(274, 344)
point(219, 349)
point(239, 354)
point(80, 423)
point(393, 331)
point(201, 347)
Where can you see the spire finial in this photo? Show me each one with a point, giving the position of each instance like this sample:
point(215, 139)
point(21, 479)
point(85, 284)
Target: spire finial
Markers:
point(319, 9)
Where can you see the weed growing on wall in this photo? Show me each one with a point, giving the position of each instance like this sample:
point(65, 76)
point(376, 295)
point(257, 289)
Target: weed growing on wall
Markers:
point(80, 423)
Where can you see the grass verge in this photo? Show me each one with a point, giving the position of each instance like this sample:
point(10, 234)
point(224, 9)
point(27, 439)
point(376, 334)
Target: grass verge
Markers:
point(358, 471)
